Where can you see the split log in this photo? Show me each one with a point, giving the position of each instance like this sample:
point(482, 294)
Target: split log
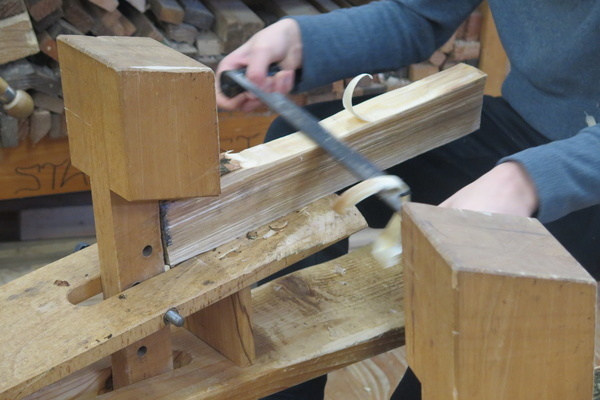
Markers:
point(209, 44)
point(196, 14)
point(39, 125)
point(76, 14)
point(40, 9)
point(54, 104)
point(10, 8)
point(235, 22)
point(284, 8)
point(9, 131)
point(108, 5)
point(17, 38)
point(290, 172)
point(167, 11)
point(110, 23)
point(184, 33)
point(143, 26)
point(48, 20)
point(59, 126)
point(24, 75)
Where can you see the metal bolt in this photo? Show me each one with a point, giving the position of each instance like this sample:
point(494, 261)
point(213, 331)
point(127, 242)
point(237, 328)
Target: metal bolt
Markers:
point(173, 317)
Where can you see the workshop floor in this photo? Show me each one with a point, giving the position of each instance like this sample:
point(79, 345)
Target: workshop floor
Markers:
point(372, 379)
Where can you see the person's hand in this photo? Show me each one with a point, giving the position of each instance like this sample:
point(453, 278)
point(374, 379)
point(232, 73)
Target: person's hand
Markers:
point(506, 189)
point(278, 43)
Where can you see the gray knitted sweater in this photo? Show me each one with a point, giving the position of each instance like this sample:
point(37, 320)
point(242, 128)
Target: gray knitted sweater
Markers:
point(554, 82)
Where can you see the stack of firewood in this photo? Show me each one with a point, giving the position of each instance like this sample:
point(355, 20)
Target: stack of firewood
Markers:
point(203, 29)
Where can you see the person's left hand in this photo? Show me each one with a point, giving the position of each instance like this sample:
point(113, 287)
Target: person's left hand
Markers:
point(506, 189)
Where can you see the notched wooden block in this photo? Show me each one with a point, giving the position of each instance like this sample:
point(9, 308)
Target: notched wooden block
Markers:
point(143, 111)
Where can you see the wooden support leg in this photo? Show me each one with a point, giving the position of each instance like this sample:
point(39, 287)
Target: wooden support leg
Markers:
point(130, 251)
point(227, 327)
point(142, 124)
point(495, 308)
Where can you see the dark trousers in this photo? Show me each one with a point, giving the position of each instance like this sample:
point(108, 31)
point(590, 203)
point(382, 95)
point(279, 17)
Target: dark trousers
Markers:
point(439, 173)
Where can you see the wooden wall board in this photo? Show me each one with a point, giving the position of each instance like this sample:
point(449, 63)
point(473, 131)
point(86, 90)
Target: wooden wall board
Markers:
point(290, 172)
point(38, 170)
point(46, 347)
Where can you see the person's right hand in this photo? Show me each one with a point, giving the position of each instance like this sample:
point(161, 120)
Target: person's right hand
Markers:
point(279, 43)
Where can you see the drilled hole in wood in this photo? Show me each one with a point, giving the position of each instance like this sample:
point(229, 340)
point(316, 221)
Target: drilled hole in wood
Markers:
point(147, 251)
point(141, 352)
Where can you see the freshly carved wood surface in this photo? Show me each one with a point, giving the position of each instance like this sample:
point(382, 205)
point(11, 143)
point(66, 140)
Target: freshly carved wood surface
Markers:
point(498, 308)
point(55, 338)
point(290, 172)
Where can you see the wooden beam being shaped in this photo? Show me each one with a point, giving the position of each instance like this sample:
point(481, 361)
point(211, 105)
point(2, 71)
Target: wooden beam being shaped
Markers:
point(290, 172)
point(56, 337)
point(350, 308)
point(498, 308)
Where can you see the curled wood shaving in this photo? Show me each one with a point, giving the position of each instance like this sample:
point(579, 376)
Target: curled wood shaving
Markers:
point(347, 98)
point(367, 188)
point(387, 248)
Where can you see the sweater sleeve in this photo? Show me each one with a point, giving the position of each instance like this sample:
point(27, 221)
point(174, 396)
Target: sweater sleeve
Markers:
point(566, 173)
point(380, 36)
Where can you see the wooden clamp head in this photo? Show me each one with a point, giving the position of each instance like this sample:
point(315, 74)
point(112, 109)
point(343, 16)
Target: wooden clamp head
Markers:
point(496, 308)
point(145, 113)
point(142, 122)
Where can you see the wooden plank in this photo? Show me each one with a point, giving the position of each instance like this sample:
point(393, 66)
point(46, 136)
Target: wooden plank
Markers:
point(235, 22)
point(108, 5)
point(227, 327)
point(143, 26)
point(10, 8)
point(77, 15)
point(284, 8)
point(342, 331)
point(170, 168)
point(47, 348)
point(110, 23)
point(183, 32)
point(493, 59)
point(17, 38)
point(40, 9)
point(290, 172)
point(167, 10)
point(497, 296)
point(196, 14)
